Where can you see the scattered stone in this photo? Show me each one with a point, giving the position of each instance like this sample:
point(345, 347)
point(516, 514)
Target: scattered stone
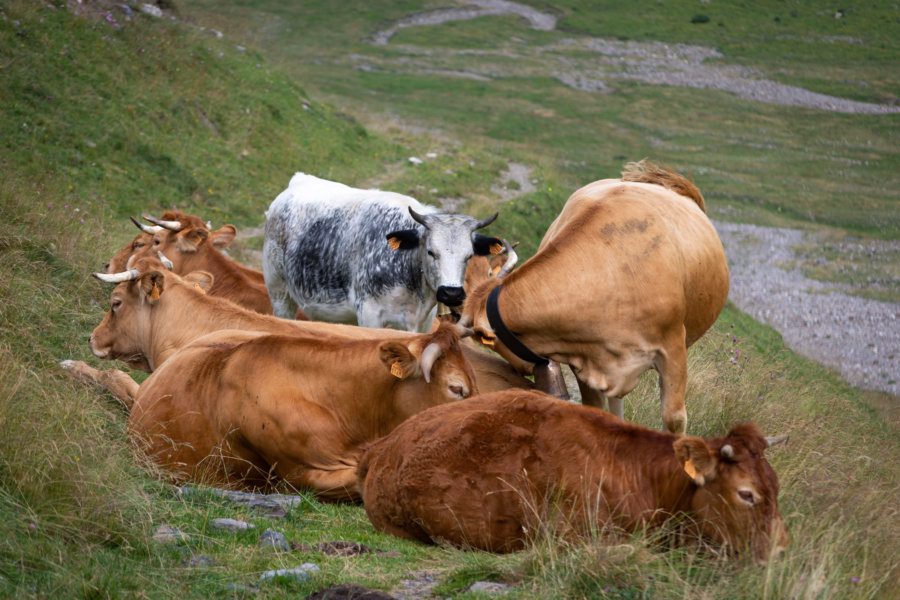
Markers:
point(415, 160)
point(166, 534)
point(230, 525)
point(152, 10)
point(300, 573)
point(342, 548)
point(269, 505)
point(234, 587)
point(198, 560)
point(274, 540)
point(349, 591)
point(490, 588)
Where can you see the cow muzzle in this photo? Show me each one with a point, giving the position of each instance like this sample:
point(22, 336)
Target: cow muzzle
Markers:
point(451, 296)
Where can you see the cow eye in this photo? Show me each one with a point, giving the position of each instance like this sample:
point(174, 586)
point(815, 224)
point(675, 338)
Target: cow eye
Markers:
point(746, 496)
point(431, 254)
point(137, 245)
point(115, 304)
point(458, 391)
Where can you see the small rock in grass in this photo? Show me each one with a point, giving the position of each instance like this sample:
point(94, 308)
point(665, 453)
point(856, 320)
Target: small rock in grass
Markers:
point(166, 534)
point(230, 525)
point(489, 587)
point(275, 540)
point(300, 573)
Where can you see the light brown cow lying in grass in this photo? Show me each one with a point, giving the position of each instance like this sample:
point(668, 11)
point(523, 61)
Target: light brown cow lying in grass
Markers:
point(628, 276)
point(243, 409)
point(491, 471)
point(144, 328)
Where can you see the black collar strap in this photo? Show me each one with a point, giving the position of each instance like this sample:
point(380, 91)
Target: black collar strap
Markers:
point(506, 336)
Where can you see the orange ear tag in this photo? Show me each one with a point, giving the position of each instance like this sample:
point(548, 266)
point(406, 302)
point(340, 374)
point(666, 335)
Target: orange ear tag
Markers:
point(154, 293)
point(496, 249)
point(487, 341)
point(690, 469)
point(397, 370)
point(394, 243)
point(494, 271)
point(199, 289)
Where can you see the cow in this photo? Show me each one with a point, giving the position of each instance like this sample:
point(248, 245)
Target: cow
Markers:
point(246, 409)
point(628, 276)
point(189, 244)
point(155, 312)
point(325, 250)
point(493, 471)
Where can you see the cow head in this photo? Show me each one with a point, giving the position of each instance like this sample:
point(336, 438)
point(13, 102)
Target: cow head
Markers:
point(438, 359)
point(474, 313)
point(126, 329)
point(445, 247)
point(183, 237)
point(736, 501)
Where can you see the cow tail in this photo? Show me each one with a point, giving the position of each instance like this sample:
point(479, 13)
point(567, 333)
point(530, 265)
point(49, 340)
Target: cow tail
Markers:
point(645, 171)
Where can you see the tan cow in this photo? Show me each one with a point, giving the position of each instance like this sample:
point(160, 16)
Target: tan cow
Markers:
point(492, 471)
point(244, 409)
point(628, 276)
point(154, 312)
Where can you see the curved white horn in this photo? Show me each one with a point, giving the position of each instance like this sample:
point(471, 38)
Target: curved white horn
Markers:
point(146, 228)
point(485, 222)
point(418, 218)
point(165, 261)
point(129, 275)
point(727, 451)
point(431, 353)
point(170, 225)
point(778, 439)
point(511, 260)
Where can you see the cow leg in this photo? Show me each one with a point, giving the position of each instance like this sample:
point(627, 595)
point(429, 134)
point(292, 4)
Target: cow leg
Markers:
point(590, 396)
point(116, 382)
point(671, 363)
point(282, 304)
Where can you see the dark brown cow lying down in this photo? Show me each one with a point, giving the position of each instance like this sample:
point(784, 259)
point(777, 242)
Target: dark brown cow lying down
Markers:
point(475, 473)
point(244, 408)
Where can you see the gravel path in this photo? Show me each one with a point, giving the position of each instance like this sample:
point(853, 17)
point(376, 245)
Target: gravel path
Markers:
point(588, 64)
point(859, 338)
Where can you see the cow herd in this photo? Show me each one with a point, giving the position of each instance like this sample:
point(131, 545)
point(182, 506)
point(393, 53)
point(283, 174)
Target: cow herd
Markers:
point(288, 374)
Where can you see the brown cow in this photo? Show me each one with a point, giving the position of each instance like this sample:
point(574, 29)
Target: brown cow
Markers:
point(144, 328)
point(143, 242)
point(187, 242)
point(241, 408)
point(492, 471)
point(628, 276)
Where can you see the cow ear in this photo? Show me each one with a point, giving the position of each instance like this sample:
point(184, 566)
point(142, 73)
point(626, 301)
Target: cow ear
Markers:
point(190, 240)
point(397, 359)
point(152, 284)
point(405, 239)
point(200, 280)
point(696, 459)
point(222, 238)
point(485, 245)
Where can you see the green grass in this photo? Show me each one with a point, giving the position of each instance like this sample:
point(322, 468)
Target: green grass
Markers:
point(101, 122)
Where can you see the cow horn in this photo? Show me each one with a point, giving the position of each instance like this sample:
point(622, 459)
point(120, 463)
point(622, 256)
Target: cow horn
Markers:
point(165, 261)
point(485, 222)
point(511, 260)
point(464, 322)
point(727, 451)
point(778, 439)
point(418, 218)
point(429, 355)
point(129, 275)
point(146, 228)
point(170, 225)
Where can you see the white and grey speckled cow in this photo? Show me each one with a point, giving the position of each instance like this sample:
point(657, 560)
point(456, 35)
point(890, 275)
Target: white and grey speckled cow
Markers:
point(325, 250)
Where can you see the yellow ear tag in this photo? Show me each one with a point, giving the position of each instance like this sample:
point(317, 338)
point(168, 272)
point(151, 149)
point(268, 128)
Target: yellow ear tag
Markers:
point(394, 243)
point(494, 271)
point(154, 293)
point(397, 370)
point(690, 469)
point(496, 248)
point(487, 341)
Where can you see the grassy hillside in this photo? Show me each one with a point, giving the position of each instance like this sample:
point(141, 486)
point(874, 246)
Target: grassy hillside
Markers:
point(104, 117)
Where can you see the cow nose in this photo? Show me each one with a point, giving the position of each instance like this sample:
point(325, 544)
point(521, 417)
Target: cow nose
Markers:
point(451, 296)
point(106, 267)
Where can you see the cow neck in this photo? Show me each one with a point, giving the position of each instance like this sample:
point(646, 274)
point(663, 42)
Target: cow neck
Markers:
point(509, 339)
